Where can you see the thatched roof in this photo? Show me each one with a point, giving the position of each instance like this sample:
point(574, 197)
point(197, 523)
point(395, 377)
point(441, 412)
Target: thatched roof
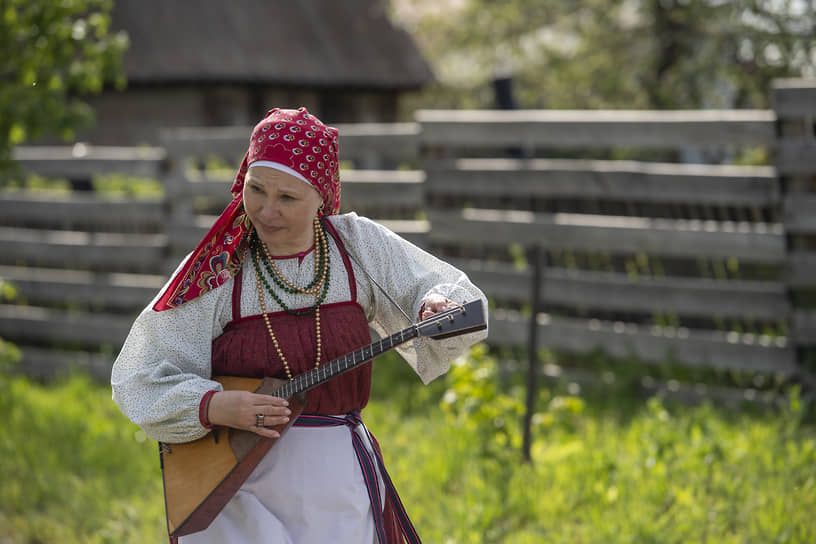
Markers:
point(322, 43)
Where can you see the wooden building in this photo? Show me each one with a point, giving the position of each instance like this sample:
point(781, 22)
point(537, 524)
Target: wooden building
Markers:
point(218, 63)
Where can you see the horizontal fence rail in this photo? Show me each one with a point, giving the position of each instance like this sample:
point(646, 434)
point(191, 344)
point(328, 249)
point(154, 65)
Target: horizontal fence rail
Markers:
point(706, 264)
point(85, 161)
point(81, 211)
point(621, 128)
point(619, 293)
point(675, 238)
point(709, 349)
point(614, 180)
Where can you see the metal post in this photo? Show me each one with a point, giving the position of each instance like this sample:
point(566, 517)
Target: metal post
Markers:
point(532, 350)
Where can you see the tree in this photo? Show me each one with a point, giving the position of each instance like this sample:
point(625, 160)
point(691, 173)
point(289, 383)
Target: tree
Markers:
point(612, 53)
point(54, 54)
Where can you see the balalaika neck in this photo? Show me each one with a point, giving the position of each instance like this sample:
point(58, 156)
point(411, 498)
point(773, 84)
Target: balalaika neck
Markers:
point(327, 371)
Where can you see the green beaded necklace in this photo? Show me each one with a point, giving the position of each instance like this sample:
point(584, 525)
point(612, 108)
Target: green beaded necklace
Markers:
point(319, 286)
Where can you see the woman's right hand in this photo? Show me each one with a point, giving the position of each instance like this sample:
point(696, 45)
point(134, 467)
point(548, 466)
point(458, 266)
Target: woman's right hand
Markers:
point(239, 409)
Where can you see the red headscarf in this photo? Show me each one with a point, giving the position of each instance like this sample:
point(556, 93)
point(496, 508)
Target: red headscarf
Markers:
point(292, 139)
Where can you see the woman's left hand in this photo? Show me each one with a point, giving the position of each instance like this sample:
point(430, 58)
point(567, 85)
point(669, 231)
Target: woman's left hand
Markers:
point(433, 304)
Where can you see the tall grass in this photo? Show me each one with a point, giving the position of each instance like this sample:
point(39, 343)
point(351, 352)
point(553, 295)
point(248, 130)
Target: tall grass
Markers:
point(605, 468)
point(74, 469)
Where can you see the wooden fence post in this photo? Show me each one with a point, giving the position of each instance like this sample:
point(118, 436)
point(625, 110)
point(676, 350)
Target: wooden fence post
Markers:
point(178, 200)
point(532, 350)
point(794, 102)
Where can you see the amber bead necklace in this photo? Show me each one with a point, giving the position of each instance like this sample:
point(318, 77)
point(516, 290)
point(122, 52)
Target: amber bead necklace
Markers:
point(318, 287)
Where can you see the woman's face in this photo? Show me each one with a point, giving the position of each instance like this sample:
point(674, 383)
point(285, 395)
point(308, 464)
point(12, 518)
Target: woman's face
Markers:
point(282, 209)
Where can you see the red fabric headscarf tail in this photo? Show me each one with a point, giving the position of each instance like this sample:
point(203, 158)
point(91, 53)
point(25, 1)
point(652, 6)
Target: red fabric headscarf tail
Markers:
point(292, 138)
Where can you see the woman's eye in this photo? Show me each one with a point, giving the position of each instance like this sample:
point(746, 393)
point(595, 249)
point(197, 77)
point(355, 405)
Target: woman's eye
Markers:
point(255, 189)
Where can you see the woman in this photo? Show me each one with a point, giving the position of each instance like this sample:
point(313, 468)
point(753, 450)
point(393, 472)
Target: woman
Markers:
point(271, 291)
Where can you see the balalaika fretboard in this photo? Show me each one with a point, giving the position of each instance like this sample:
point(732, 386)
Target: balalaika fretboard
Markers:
point(327, 371)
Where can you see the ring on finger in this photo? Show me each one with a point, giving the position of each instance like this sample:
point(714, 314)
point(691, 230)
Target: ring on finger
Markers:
point(259, 420)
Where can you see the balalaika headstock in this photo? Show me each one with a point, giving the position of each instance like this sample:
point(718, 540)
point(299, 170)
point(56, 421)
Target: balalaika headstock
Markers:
point(459, 320)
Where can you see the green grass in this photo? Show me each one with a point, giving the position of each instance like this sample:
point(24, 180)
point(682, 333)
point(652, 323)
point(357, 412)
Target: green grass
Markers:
point(606, 467)
point(104, 186)
point(74, 469)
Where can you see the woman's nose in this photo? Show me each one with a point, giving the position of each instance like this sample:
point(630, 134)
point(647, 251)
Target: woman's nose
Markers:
point(269, 209)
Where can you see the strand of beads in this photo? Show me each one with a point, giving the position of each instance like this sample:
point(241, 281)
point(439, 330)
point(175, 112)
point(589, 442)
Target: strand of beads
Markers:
point(319, 285)
point(261, 279)
point(318, 335)
point(321, 265)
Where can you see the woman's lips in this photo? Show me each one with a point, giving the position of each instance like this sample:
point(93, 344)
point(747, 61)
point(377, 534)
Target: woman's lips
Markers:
point(268, 228)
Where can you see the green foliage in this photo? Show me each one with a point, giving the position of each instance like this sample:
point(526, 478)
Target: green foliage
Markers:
point(122, 186)
point(9, 354)
point(114, 186)
point(396, 384)
point(34, 183)
point(475, 402)
point(55, 53)
point(618, 469)
point(606, 468)
point(611, 53)
point(75, 470)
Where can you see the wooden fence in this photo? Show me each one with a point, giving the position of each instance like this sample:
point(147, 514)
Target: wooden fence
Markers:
point(84, 263)
point(707, 264)
point(639, 252)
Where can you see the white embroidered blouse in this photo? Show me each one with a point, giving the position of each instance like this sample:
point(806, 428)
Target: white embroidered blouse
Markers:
point(163, 369)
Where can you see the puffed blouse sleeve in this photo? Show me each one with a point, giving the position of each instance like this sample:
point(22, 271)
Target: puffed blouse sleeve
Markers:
point(163, 369)
point(409, 275)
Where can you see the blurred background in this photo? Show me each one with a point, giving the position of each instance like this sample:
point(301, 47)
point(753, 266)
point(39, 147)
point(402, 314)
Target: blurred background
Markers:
point(631, 182)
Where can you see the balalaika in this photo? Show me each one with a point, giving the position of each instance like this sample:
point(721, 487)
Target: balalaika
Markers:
point(200, 477)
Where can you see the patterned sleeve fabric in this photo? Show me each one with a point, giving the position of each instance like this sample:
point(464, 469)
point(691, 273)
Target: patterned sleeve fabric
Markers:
point(162, 371)
point(409, 275)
